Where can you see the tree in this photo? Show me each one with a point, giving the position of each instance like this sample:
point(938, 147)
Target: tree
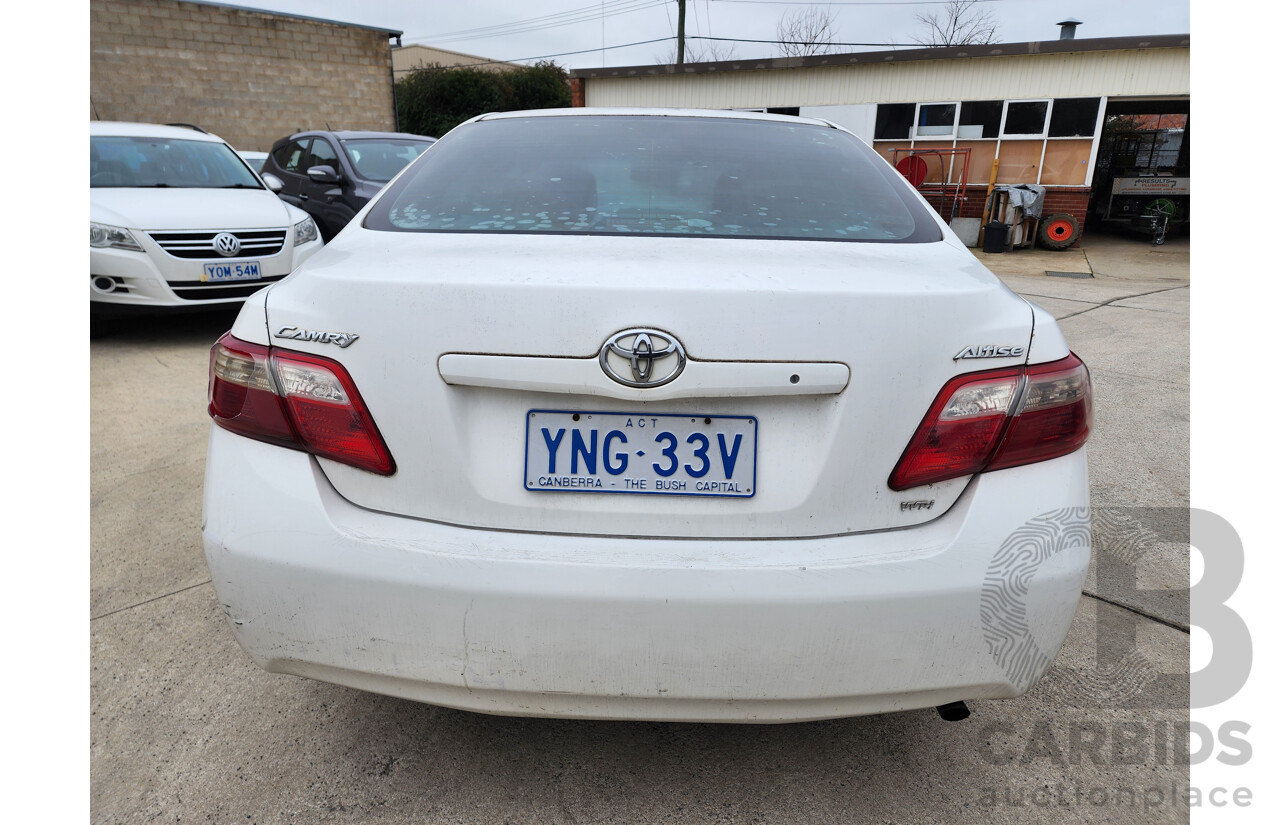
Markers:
point(694, 52)
point(806, 31)
point(434, 99)
point(959, 23)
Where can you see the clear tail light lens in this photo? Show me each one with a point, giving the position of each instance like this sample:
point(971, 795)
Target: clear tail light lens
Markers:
point(242, 395)
point(295, 400)
point(998, 419)
point(1054, 418)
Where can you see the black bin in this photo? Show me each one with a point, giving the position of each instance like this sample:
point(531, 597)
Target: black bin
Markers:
point(997, 235)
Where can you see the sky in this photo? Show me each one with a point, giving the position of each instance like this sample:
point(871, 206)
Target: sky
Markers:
point(517, 29)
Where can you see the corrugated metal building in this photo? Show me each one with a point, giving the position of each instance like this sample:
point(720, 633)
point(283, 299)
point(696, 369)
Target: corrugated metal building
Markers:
point(1038, 107)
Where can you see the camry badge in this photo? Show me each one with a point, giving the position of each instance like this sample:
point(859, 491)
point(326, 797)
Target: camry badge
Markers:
point(642, 358)
point(342, 339)
point(226, 244)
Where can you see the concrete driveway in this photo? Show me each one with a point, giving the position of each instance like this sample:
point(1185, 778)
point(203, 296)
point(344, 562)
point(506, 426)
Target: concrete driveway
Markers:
point(185, 729)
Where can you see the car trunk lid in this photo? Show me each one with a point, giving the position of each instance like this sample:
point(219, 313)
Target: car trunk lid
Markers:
point(809, 366)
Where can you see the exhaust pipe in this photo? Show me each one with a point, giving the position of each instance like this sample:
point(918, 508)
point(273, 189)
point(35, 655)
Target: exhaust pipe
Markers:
point(953, 711)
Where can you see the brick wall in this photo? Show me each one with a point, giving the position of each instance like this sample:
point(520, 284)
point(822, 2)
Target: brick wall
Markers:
point(248, 77)
point(1070, 200)
point(1073, 201)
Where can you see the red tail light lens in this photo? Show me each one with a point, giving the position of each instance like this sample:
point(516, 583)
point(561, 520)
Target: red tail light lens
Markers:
point(962, 427)
point(997, 419)
point(294, 400)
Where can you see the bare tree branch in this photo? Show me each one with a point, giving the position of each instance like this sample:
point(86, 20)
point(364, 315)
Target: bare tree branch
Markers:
point(959, 23)
point(806, 31)
point(696, 51)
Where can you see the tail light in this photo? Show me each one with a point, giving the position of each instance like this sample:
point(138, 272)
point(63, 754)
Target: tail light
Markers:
point(998, 419)
point(295, 400)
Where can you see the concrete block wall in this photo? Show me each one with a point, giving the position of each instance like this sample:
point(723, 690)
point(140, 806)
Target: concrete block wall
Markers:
point(248, 77)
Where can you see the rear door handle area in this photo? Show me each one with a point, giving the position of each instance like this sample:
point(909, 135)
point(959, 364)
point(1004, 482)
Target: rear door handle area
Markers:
point(700, 379)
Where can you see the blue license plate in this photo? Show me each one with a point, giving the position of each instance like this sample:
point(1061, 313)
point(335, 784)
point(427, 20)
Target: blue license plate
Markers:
point(640, 453)
point(238, 271)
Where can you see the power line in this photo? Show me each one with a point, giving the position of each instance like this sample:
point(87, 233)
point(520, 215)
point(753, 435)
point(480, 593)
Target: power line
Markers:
point(547, 56)
point(581, 15)
point(798, 42)
point(612, 8)
point(667, 39)
point(532, 20)
point(850, 2)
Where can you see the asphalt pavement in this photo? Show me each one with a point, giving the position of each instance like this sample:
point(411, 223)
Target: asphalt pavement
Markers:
point(184, 728)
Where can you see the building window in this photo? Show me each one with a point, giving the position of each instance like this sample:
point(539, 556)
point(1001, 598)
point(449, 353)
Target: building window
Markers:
point(980, 119)
point(1025, 118)
point(893, 121)
point(936, 120)
point(1049, 142)
point(1074, 117)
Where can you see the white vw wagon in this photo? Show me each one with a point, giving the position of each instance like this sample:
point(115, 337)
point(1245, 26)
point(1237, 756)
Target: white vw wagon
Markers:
point(177, 220)
point(649, 415)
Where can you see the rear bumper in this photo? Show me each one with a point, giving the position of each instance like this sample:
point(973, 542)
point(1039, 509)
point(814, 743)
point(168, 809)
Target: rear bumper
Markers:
point(594, 627)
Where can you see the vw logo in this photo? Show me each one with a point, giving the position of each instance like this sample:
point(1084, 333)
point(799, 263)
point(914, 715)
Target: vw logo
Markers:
point(226, 244)
point(642, 358)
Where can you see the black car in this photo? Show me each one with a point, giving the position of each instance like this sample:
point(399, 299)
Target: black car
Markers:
point(332, 175)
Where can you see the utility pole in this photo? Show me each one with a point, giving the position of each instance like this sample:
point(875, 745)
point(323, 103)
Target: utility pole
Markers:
point(680, 36)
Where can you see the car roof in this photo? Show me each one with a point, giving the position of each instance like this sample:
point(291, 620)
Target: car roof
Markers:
point(357, 135)
point(691, 113)
point(113, 128)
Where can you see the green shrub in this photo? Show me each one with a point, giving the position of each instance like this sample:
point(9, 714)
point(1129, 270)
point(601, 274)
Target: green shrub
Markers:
point(432, 100)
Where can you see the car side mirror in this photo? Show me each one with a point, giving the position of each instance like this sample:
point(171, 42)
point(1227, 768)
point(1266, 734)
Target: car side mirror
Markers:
point(323, 174)
point(273, 183)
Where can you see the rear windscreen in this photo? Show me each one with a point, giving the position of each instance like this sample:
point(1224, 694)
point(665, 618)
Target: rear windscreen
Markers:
point(634, 175)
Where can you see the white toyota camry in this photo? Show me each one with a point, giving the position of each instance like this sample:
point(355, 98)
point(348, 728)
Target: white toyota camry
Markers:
point(649, 415)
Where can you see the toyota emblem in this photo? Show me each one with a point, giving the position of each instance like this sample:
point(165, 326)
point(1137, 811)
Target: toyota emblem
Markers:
point(226, 244)
point(642, 358)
